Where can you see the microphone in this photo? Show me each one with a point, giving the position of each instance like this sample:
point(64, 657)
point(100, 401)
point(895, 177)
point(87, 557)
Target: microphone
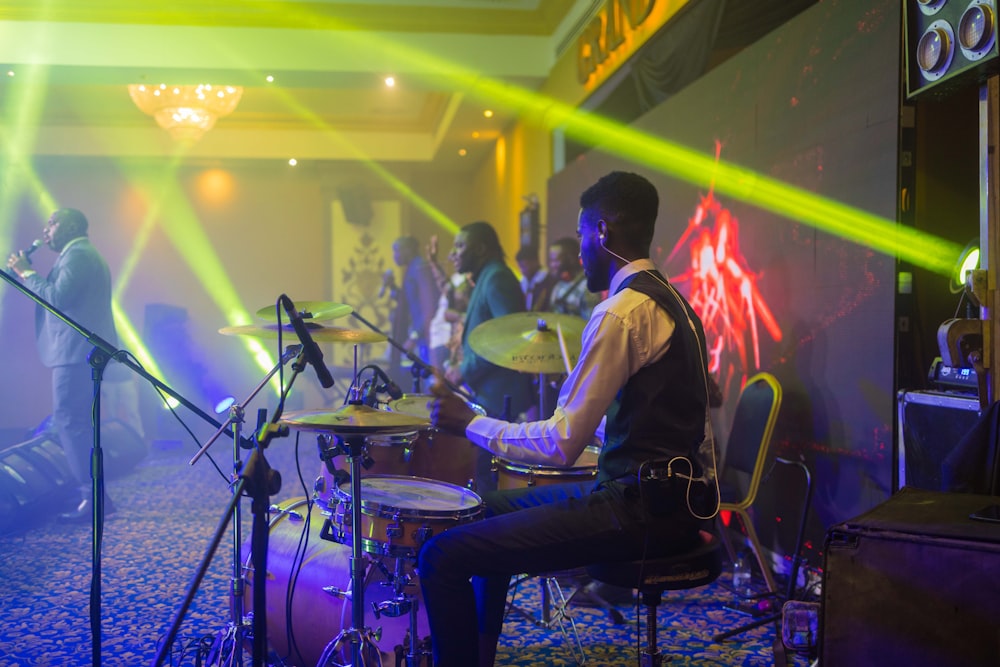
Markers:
point(313, 354)
point(387, 279)
point(35, 245)
point(388, 385)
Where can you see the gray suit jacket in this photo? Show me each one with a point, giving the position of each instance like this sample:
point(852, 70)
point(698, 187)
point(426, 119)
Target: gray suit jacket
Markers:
point(79, 285)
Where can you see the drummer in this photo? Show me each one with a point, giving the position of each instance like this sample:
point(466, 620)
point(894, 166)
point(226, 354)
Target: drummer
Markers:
point(642, 365)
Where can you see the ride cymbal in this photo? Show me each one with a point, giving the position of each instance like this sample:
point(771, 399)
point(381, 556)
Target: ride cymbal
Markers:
point(354, 419)
point(310, 310)
point(528, 342)
point(318, 332)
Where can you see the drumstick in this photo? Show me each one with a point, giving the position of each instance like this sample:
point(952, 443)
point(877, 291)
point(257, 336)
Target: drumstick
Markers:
point(562, 346)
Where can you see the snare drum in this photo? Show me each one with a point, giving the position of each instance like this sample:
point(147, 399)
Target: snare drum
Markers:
point(399, 514)
point(514, 475)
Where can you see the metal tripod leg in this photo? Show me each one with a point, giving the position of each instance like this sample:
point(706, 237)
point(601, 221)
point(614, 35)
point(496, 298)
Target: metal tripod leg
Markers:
point(553, 615)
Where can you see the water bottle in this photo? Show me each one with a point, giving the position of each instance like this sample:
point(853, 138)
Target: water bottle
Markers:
point(742, 589)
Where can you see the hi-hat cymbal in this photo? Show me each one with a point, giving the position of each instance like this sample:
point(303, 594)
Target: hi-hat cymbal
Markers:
point(528, 342)
point(310, 310)
point(354, 419)
point(318, 332)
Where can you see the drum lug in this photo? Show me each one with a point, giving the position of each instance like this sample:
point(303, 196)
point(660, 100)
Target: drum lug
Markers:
point(393, 530)
point(423, 534)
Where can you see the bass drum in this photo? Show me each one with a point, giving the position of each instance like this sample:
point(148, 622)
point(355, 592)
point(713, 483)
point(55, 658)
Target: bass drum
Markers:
point(295, 591)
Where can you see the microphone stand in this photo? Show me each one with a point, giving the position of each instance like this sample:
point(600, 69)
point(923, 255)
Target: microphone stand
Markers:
point(98, 358)
point(237, 629)
point(420, 368)
point(260, 482)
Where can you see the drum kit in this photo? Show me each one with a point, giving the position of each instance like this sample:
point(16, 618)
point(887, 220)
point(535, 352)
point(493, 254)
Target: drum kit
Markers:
point(405, 482)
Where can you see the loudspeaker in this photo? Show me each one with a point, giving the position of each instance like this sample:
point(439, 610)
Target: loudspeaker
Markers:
point(930, 425)
point(913, 582)
point(356, 203)
point(948, 44)
point(36, 480)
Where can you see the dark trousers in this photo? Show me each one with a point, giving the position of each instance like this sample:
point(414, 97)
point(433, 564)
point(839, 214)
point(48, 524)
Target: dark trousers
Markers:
point(465, 571)
point(72, 418)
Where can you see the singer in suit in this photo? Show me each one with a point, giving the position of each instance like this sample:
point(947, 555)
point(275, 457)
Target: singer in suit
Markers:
point(79, 285)
point(497, 292)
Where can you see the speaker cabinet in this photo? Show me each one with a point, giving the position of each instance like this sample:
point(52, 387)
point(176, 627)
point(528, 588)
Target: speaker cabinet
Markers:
point(948, 44)
point(913, 582)
point(36, 480)
point(930, 425)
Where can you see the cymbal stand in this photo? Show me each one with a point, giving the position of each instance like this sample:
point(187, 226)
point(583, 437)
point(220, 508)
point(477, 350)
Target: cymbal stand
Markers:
point(228, 646)
point(352, 445)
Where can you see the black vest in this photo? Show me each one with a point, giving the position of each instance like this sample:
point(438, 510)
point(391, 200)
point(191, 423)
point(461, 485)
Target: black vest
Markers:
point(660, 412)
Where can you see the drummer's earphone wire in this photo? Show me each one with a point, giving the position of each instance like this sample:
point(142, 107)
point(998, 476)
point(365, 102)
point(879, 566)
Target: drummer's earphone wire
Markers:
point(709, 434)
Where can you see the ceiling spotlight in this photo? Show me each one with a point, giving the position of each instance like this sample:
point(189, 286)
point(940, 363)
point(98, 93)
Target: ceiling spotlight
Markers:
point(10, 72)
point(390, 81)
point(935, 50)
point(488, 113)
point(292, 162)
point(475, 135)
point(269, 78)
point(463, 152)
point(977, 31)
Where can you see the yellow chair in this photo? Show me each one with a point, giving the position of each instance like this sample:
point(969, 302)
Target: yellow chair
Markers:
point(746, 452)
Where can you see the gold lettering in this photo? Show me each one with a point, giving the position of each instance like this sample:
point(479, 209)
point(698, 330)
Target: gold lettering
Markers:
point(606, 33)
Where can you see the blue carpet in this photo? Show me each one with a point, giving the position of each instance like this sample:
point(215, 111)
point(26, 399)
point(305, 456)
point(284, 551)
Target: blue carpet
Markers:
point(166, 514)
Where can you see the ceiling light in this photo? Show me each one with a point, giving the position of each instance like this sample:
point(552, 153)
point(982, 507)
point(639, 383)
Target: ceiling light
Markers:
point(186, 112)
point(488, 113)
point(293, 162)
point(10, 72)
point(475, 135)
point(269, 78)
point(462, 152)
point(390, 81)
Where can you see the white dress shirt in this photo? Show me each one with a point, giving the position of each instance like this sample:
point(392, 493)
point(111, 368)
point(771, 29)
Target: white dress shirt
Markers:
point(626, 332)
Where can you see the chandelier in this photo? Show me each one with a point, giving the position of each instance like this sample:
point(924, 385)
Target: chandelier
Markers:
point(186, 112)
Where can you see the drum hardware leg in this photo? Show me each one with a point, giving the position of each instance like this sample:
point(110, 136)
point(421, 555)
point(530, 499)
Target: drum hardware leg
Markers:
point(364, 649)
point(551, 615)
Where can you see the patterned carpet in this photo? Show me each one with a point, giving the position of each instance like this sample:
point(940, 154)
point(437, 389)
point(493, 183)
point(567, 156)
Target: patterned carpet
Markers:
point(166, 514)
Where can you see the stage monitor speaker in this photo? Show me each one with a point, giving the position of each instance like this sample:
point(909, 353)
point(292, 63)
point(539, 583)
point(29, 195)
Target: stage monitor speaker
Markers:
point(930, 425)
point(35, 478)
point(913, 582)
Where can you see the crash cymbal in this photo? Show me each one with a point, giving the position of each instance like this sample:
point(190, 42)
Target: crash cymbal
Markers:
point(528, 342)
point(318, 332)
point(354, 419)
point(310, 310)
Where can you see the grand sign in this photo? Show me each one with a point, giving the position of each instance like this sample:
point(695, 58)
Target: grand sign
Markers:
point(618, 29)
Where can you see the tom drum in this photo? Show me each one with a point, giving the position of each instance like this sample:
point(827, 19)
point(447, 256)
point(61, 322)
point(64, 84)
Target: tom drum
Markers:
point(514, 475)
